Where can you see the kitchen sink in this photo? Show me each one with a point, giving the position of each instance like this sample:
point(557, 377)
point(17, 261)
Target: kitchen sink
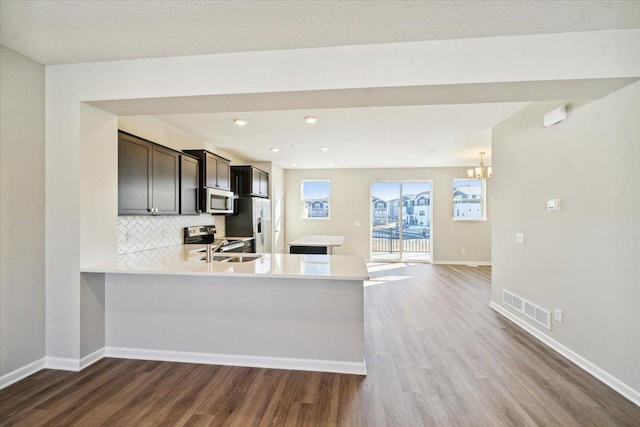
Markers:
point(234, 258)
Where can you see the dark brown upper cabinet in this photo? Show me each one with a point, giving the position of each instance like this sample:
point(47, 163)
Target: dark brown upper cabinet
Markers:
point(249, 181)
point(214, 170)
point(148, 177)
point(189, 185)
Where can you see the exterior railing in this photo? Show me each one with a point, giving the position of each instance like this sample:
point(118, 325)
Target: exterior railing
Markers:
point(414, 239)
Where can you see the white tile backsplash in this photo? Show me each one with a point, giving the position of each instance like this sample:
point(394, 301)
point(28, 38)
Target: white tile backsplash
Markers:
point(139, 233)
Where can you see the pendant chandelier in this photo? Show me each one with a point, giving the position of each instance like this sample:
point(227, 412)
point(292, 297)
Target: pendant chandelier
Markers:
point(480, 172)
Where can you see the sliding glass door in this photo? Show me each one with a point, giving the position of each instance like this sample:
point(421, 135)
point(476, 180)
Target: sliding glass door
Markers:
point(401, 221)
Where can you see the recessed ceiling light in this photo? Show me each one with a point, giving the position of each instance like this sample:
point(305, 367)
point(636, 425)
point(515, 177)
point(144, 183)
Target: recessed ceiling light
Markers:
point(240, 122)
point(274, 149)
point(332, 164)
point(324, 148)
point(310, 119)
point(293, 165)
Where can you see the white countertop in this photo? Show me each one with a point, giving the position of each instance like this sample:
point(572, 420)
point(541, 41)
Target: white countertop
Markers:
point(321, 240)
point(182, 260)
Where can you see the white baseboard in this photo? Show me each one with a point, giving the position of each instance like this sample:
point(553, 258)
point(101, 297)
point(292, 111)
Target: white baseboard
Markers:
point(469, 263)
point(357, 368)
point(92, 358)
point(68, 364)
point(14, 376)
point(62, 364)
point(599, 373)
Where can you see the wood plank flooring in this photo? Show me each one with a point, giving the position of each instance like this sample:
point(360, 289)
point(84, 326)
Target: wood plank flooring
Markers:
point(436, 354)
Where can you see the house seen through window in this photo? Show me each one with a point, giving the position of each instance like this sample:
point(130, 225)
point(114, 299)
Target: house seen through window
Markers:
point(468, 199)
point(315, 199)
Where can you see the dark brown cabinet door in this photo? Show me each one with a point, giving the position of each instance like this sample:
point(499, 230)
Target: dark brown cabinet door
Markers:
point(189, 186)
point(215, 171)
point(134, 176)
point(211, 171)
point(164, 181)
point(250, 181)
point(255, 182)
point(148, 177)
point(264, 184)
point(224, 174)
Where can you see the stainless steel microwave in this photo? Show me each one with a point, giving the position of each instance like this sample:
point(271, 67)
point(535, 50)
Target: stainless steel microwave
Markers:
point(218, 201)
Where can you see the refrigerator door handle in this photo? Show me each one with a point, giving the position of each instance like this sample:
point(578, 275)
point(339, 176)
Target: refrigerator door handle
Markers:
point(260, 227)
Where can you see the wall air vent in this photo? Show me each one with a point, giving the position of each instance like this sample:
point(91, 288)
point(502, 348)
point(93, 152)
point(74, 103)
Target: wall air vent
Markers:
point(529, 309)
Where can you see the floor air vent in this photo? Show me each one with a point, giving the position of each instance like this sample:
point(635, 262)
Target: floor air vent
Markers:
point(529, 309)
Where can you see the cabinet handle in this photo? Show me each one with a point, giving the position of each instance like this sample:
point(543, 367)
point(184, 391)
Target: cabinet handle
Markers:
point(149, 210)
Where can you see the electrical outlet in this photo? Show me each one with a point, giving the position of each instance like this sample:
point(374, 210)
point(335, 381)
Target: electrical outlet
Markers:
point(356, 223)
point(463, 251)
point(558, 315)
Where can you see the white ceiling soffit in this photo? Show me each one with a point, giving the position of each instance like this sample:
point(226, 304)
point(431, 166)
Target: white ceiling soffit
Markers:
point(418, 126)
point(59, 32)
point(369, 97)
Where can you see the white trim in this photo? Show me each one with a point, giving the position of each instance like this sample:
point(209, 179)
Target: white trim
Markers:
point(357, 368)
point(92, 358)
point(67, 364)
point(62, 364)
point(599, 373)
point(467, 263)
point(18, 374)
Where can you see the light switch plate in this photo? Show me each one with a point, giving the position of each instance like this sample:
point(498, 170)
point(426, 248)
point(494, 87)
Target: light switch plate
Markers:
point(554, 205)
point(558, 315)
point(519, 237)
point(356, 223)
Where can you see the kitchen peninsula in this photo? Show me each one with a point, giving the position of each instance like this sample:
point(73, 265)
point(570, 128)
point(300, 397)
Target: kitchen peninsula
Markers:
point(282, 311)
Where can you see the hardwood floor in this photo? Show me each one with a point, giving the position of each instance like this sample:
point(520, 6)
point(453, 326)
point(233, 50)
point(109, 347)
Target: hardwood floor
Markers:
point(437, 355)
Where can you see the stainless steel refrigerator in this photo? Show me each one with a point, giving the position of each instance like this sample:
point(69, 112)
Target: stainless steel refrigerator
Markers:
point(252, 218)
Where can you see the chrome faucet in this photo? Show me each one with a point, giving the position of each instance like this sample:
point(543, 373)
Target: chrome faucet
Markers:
point(213, 247)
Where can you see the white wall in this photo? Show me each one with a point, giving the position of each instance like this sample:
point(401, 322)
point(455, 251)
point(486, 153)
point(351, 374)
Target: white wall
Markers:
point(99, 186)
point(584, 259)
point(351, 201)
point(22, 193)
point(594, 55)
point(277, 187)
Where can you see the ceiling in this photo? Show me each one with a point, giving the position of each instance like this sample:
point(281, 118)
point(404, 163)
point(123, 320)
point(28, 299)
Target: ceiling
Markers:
point(63, 32)
point(398, 134)
point(437, 135)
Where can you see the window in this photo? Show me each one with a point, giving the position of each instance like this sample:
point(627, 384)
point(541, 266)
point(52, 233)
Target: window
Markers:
point(315, 199)
point(469, 200)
